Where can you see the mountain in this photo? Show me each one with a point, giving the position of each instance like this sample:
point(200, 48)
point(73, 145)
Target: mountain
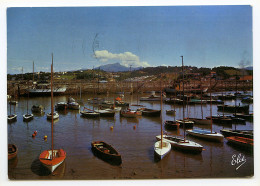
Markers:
point(249, 68)
point(116, 67)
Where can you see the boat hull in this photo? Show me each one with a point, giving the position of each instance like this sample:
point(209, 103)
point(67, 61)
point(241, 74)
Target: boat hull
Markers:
point(151, 112)
point(200, 121)
point(106, 152)
point(27, 117)
point(12, 151)
point(12, 118)
point(161, 150)
point(89, 114)
point(181, 145)
point(171, 125)
point(185, 123)
point(52, 164)
point(208, 136)
point(241, 142)
point(240, 133)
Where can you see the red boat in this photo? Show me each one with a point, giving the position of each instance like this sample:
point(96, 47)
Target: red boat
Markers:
point(12, 151)
point(242, 142)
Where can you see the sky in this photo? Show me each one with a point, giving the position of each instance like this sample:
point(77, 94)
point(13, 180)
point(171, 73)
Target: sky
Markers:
point(207, 36)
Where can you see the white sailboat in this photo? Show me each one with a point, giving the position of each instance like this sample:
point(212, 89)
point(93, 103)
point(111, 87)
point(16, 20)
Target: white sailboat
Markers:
point(162, 147)
point(177, 142)
point(206, 134)
point(27, 116)
point(54, 157)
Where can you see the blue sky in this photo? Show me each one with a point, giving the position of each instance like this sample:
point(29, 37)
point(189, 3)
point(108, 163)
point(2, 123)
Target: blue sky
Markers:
point(207, 36)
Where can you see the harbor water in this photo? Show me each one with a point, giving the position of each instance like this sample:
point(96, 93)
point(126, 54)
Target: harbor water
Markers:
point(74, 134)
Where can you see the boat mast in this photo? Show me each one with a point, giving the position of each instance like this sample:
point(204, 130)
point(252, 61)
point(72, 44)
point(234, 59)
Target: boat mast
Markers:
point(52, 107)
point(236, 102)
point(210, 106)
point(201, 97)
point(161, 113)
point(33, 71)
point(183, 97)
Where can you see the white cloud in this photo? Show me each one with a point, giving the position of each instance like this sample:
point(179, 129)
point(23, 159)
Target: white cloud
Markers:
point(126, 58)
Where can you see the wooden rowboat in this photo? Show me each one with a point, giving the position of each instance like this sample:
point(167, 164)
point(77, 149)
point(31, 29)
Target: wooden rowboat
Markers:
point(242, 142)
point(106, 152)
point(12, 151)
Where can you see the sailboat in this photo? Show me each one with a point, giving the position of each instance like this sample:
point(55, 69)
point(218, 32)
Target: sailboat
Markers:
point(179, 143)
point(206, 134)
point(11, 117)
point(54, 157)
point(201, 121)
point(161, 148)
point(27, 116)
point(185, 123)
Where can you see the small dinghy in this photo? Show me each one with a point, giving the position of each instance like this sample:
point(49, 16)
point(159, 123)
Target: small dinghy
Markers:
point(12, 118)
point(12, 151)
point(106, 152)
point(27, 117)
point(55, 116)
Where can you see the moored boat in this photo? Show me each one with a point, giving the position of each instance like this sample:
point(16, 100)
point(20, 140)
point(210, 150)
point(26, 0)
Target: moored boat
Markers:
point(161, 149)
point(61, 106)
point(152, 98)
point(37, 108)
point(54, 157)
point(12, 151)
point(206, 134)
point(55, 115)
point(13, 102)
point(200, 121)
point(11, 117)
point(105, 112)
point(73, 106)
point(232, 108)
point(106, 152)
point(128, 114)
point(89, 114)
point(240, 133)
point(172, 112)
point(185, 123)
point(171, 125)
point(241, 142)
point(151, 112)
point(181, 144)
point(27, 117)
